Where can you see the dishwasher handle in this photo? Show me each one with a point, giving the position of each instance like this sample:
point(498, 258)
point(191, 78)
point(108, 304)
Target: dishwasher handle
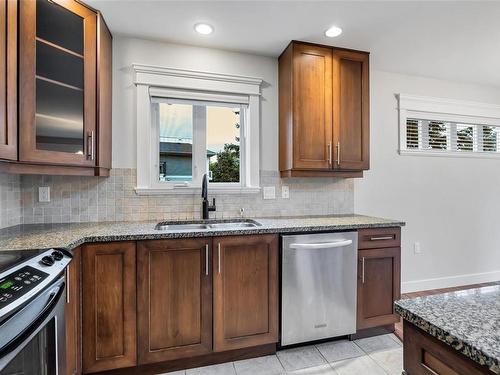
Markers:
point(320, 245)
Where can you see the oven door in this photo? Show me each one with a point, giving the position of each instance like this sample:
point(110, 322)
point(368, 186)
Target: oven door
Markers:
point(32, 339)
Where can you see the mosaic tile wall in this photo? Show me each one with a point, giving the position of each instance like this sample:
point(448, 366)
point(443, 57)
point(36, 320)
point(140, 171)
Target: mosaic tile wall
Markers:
point(10, 200)
point(82, 199)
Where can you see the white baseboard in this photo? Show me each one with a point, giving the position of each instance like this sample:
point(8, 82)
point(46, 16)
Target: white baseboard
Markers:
point(450, 281)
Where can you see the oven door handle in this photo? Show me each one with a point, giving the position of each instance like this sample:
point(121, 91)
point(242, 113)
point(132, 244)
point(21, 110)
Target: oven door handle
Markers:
point(53, 294)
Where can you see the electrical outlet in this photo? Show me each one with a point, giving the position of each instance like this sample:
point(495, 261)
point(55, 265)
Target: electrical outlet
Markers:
point(44, 194)
point(269, 192)
point(416, 248)
point(285, 192)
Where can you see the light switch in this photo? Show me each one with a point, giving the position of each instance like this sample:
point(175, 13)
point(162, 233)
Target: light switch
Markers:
point(416, 248)
point(44, 194)
point(269, 192)
point(285, 192)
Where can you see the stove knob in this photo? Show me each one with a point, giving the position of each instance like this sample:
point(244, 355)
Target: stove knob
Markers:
point(57, 255)
point(47, 261)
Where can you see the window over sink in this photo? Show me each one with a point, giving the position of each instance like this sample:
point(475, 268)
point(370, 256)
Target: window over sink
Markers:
point(193, 123)
point(196, 136)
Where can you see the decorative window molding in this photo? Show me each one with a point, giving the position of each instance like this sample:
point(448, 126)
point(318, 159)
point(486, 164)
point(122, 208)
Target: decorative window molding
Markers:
point(154, 81)
point(443, 127)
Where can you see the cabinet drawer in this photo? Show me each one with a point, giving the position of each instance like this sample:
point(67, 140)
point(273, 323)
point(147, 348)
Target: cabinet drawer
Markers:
point(377, 238)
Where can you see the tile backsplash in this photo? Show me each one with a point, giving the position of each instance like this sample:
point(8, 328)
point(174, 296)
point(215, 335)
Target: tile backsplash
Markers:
point(82, 199)
point(10, 200)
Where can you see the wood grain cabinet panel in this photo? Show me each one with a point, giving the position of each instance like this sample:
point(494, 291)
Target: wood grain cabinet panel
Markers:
point(104, 93)
point(312, 112)
point(351, 110)
point(174, 299)
point(109, 306)
point(323, 111)
point(245, 270)
point(72, 315)
point(425, 355)
point(8, 79)
point(379, 279)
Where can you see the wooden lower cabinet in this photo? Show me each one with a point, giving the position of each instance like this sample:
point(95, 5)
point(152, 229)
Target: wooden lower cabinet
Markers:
point(72, 315)
point(174, 299)
point(245, 271)
point(379, 279)
point(109, 306)
point(425, 355)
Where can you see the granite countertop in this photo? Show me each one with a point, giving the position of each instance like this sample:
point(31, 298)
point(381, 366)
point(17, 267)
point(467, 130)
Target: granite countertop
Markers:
point(68, 236)
point(468, 321)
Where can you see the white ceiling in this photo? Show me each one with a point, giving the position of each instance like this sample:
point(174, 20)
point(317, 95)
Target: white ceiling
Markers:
point(454, 40)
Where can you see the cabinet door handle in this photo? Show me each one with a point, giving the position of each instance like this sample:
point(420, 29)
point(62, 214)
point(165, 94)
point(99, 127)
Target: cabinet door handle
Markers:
point(90, 145)
point(363, 270)
point(206, 259)
point(218, 255)
point(382, 238)
point(338, 153)
point(67, 284)
point(329, 154)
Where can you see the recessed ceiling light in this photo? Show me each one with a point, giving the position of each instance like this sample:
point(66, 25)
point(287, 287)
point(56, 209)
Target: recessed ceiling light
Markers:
point(333, 31)
point(203, 28)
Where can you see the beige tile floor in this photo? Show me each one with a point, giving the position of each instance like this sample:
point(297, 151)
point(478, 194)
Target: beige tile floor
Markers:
point(380, 355)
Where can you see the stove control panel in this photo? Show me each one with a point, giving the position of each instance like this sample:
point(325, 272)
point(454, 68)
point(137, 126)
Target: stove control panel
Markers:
point(18, 283)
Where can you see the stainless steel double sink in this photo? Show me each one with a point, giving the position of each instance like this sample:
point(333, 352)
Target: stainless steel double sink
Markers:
point(228, 225)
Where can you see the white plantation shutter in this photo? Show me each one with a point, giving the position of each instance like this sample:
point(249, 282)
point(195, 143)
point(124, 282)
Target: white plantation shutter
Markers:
point(425, 135)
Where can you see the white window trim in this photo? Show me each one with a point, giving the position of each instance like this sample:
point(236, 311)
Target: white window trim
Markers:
point(149, 78)
point(447, 110)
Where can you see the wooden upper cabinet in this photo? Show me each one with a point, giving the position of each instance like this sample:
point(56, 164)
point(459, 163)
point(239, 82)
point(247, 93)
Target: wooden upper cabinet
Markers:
point(323, 111)
point(312, 110)
point(351, 110)
point(245, 271)
point(174, 301)
point(57, 121)
point(104, 93)
point(109, 338)
point(60, 120)
point(8, 79)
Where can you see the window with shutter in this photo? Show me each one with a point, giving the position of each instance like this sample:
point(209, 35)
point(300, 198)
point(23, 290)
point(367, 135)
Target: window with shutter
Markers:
point(442, 127)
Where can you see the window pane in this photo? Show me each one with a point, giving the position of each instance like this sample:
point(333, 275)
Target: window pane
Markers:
point(176, 142)
point(411, 133)
point(490, 134)
point(437, 135)
point(465, 137)
point(223, 143)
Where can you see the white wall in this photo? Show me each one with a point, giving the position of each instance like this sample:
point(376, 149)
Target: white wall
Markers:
point(127, 51)
point(451, 205)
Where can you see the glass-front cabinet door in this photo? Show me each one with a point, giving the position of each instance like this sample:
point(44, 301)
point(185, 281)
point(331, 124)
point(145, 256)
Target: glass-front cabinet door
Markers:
point(57, 101)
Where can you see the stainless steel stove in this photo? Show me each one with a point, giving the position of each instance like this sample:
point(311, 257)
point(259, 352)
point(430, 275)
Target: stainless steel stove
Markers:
point(32, 299)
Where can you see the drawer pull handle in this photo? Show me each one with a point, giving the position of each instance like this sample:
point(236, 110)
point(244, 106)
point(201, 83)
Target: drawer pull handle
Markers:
point(383, 238)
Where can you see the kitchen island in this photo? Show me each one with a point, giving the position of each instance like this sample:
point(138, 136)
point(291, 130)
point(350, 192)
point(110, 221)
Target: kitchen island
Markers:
point(454, 333)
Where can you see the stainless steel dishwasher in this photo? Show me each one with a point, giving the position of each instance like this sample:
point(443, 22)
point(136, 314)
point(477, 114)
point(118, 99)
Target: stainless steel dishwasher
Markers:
point(319, 280)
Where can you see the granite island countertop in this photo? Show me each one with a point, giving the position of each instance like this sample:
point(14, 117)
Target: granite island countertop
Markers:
point(468, 321)
point(68, 236)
